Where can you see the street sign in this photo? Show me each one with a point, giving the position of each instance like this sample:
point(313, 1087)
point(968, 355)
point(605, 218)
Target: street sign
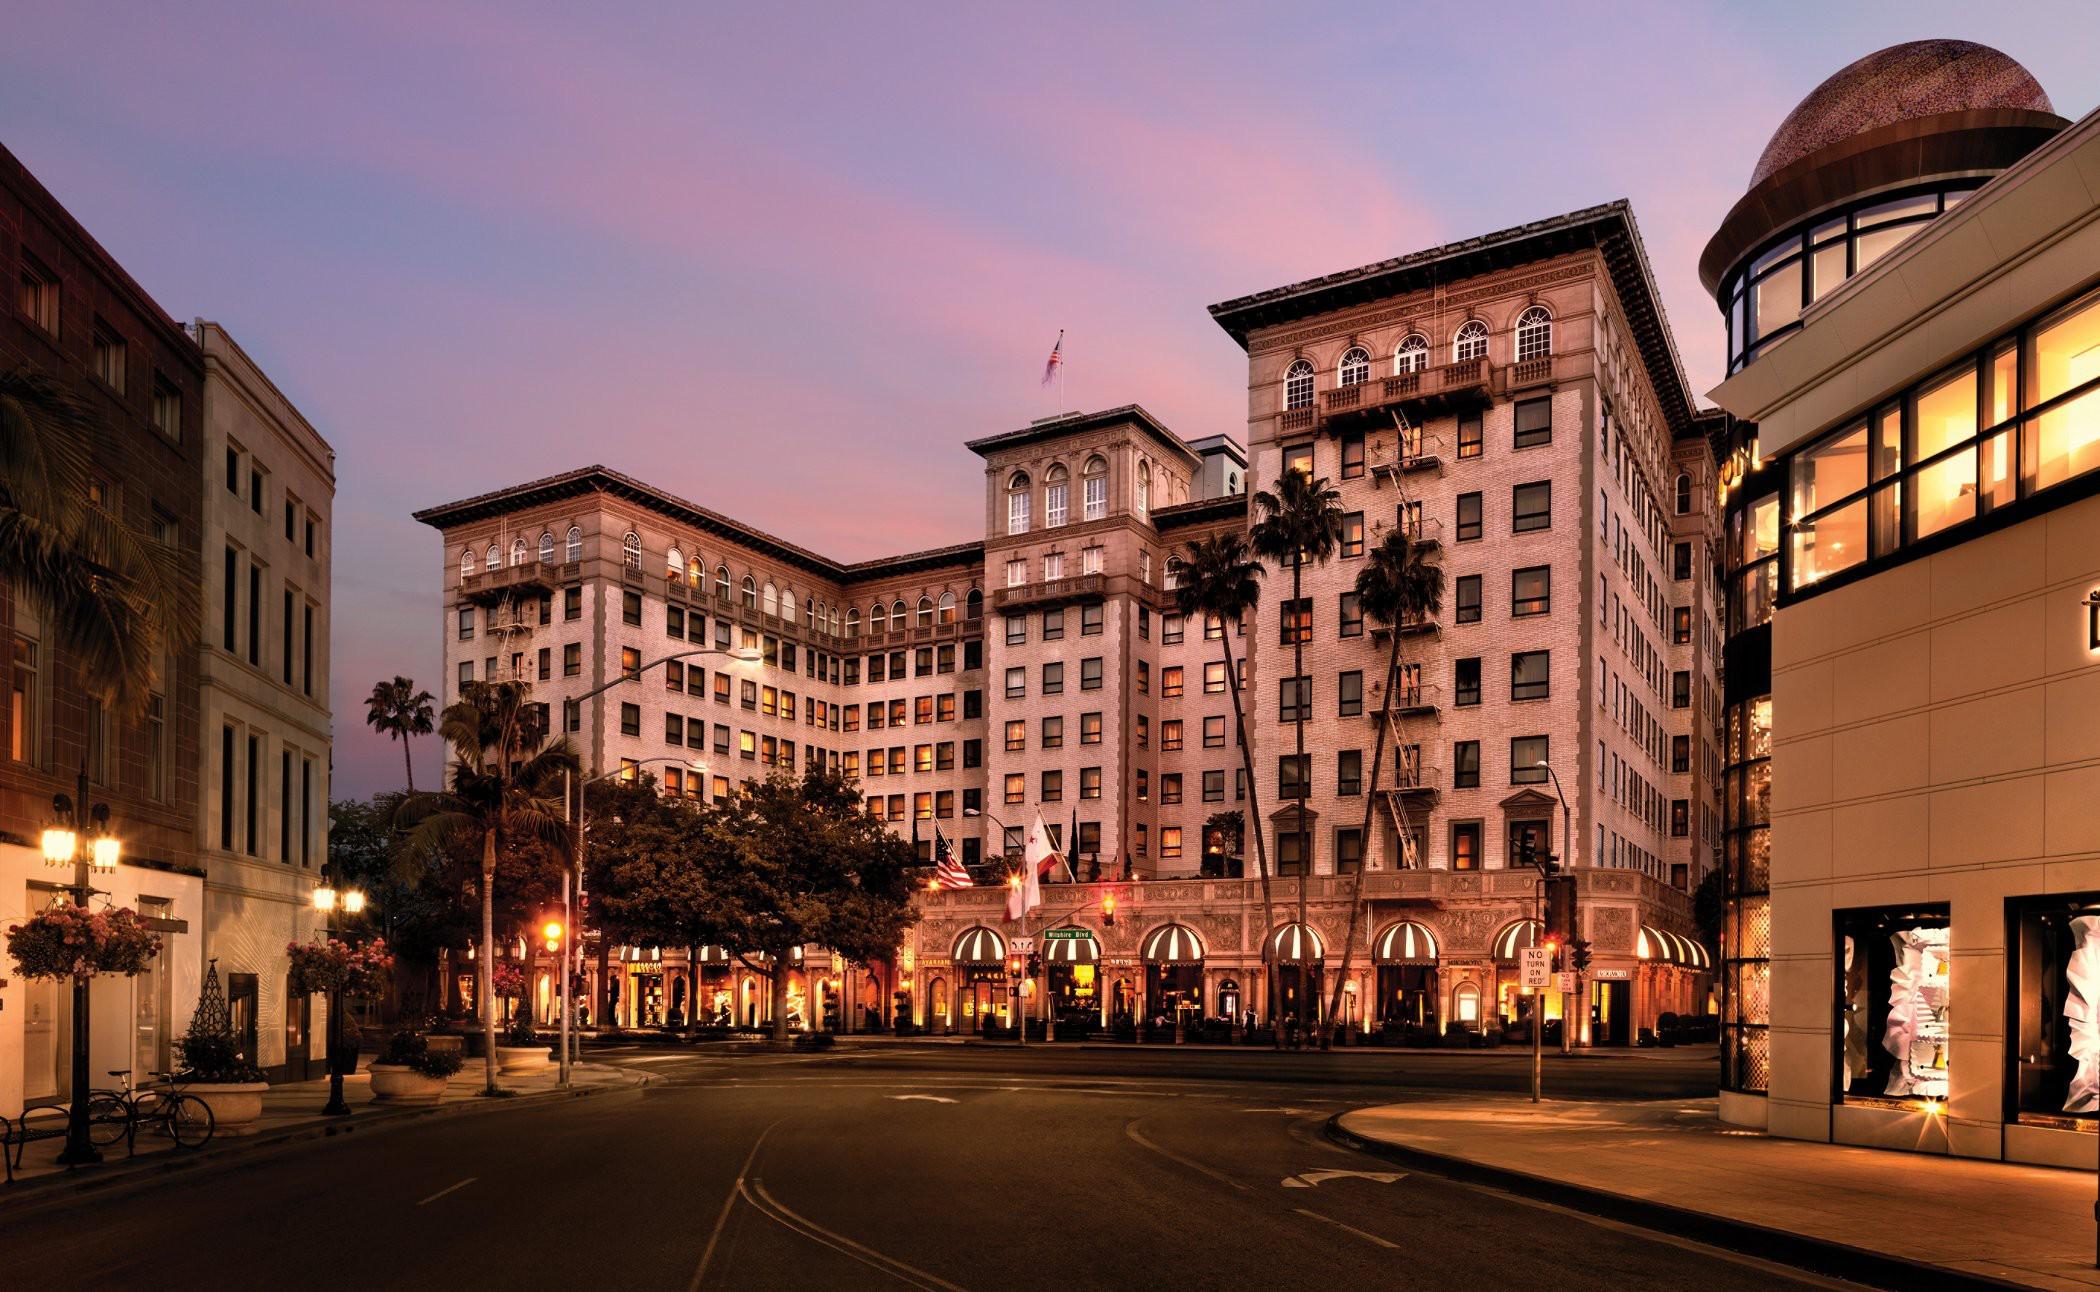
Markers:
point(1535, 964)
point(1022, 946)
point(1611, 975)
point(1067, 935)
point(1566, 980)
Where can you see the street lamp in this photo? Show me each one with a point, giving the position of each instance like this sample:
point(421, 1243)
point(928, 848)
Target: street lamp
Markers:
point(71, 818)
point(1567, 860)
point(326, 902)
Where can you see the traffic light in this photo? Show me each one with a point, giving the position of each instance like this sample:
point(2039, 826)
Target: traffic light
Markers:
point(1581, 948)
point(1560, 908)
point(1013, 966)
point(1035, 964)
point(1527, 851)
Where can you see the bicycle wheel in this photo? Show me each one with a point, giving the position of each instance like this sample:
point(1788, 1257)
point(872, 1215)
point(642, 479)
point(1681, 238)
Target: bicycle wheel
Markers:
point(190, 1121)
point(109, 1119)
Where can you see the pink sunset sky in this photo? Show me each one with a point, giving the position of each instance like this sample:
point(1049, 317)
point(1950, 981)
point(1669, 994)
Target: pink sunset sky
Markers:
point(784, 259)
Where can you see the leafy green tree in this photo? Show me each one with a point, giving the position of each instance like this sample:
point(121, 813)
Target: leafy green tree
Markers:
point(1300, 521)
point(1399, 584)
point(110, 595)
point(507, 784)
point(399, 711)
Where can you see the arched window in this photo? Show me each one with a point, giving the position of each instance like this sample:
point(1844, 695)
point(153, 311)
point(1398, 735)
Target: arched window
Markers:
point(696, 574)
point(1298, 384)
point(772, 601)
point(722, 582)
point(973, 605)
point(925, 616)
point(834, 617)
point(852, 621)
point(674, 562)
point(1144, 489)
point(1534, 334)
point(492, 559)
point(1684, 494)
point(1413, 354)
point(750, 593)
point(1057, 496)
point(517, 550)
point(1017, 503)
point(878, 618)
point(547, 547)
point(1093, 481)
point(631, 549)
point(897, 616)
point(1471, 342)
point(575, 545)
point(789, 608)
point(816, 614)
point(1355, 366)
point(947, 608)
point(466, 565)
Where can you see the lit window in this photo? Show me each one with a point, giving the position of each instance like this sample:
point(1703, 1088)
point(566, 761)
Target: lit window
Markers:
point(1413, 354)
point(1470, 343)
point(1355, 367)
point(1534, 334)
point(1298, 385)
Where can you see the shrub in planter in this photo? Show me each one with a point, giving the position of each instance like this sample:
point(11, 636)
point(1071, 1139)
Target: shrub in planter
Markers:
point(410, 1072)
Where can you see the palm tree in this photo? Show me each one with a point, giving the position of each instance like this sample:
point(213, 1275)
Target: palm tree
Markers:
point(113, 597)
point(1218, 578)
point(400, 711)
point(1398, 585)
point(1301, 521)
point(506, 788)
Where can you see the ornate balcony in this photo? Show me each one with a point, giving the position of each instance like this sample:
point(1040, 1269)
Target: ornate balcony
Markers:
point(507, 583)
point(1424, 393)
point(1051, 592)
point(1531, 372)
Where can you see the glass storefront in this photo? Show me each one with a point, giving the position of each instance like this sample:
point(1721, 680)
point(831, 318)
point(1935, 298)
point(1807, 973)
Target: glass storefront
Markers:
point(1893, 1024)
point(2055, 971)
point(1746, 925)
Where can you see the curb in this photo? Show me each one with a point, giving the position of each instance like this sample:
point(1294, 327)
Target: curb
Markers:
point(1783, 1246)
point(52, 1192)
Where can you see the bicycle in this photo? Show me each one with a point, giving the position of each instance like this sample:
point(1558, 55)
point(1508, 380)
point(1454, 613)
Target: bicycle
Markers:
point(120, 1114)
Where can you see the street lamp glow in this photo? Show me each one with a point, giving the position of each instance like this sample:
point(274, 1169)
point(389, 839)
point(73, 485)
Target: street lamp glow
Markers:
point(104, 851)
point(354, 902)
point(59, 844)
point(324, 898)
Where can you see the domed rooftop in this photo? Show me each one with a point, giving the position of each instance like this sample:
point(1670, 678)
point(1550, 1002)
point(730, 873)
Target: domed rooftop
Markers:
point(1920, 78)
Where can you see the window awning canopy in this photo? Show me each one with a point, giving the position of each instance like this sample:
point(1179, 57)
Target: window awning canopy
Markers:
point(1295, 944)
point(1671, 948)
point(1173, 944)
point(1516, 937)
point(1406, 942)
point(979, 945)
point(1069, 950)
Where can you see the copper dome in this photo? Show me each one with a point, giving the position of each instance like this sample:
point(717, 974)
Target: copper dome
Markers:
point(1920, 78)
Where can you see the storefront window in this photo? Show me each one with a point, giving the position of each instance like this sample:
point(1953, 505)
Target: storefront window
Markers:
point(2056, 1032)
point(1892, 1003)
point(1746, 929)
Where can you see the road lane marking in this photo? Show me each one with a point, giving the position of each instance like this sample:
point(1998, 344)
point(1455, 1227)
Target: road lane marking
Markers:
point(795, 1222)
point(1131, 1131)
point(1364, 1234)
point(450, 1188)
point(931, 1099)
point(707, 1254)
point(1313, 1179)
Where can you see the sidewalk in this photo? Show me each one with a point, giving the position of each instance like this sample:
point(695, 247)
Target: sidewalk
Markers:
point(292, 1111)
point(1891, 1218)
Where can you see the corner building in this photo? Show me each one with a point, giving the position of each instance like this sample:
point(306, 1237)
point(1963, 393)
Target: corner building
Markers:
point(1514, 400)
point(1913, 653)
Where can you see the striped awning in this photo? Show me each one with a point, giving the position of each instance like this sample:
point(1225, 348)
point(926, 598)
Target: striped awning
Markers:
point(980, 946)
point(1671, 948)
point(714, 955)
point(641, 955)
point(1173, 944)
point(1405, 943)
point(1295, 944)
point(1511, 940)
point(1070, 951)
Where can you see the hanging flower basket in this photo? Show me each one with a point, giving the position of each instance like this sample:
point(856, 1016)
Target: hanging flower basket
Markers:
point(357, 971)
point(507, 980)
point(72, 942)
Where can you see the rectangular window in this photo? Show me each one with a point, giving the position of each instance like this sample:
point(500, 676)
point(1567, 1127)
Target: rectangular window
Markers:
point(1349, 694)
point(1016, 735)
point(226, 746)
point(167, 414)
point(1169, 842)
point(1170, 734)
point(1465, 682)
point(1349, 772)
point(630, 719)
point(1352, 544)
point(1531, 507)
point(1468, 517)
point(1053, 736)
point(255, 581)
point(1353, 456)
point(1680, 560)
point(571, 604)
point(1680, 818)
point(1090, 620)
point(1017, 683)
point(1680, 689)
point(252, 804)
point(1290, 851)
point(1214, 678)
point(1170, 682)
point(1295, 622)
point(631, 608)
point(1465, 845)
point(1891, 965)
point(1293, 699)
point(37, 294)
point(1348, 850)
point(1527, 760)
point(1298, 458)
point(1090, 673)
point(1530, 675)
point(1214, 787)
point(1352, 615)
point(1089, 782)
point(1468, 598)
point(110, 355)
point(1053, 786)
point(1680, 754)
point(1293, 776)
point(1017, 630)
point(1680, 625)
point(1530, 591)
point(1469, 436)
point(1534, 422)
point(674, 729)
point(1465, 764)
point(1171, 628)
point(1144, 677)
point(1214, 732)
point(1090, 728)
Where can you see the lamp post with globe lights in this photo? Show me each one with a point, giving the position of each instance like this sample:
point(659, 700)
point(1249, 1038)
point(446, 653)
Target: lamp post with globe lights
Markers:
point(79, 836)
point(327, 901)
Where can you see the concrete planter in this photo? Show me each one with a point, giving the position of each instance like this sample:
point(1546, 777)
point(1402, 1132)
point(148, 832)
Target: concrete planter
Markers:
point(522, 1058)
point(394, 1083)
point(234, 1108)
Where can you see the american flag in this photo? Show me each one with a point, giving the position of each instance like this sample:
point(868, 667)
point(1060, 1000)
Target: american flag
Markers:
point(1057, 358)
point(947, 871)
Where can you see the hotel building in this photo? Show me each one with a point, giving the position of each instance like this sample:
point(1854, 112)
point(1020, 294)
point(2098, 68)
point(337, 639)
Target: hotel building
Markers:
point(1913, 653)
point(1514, 401)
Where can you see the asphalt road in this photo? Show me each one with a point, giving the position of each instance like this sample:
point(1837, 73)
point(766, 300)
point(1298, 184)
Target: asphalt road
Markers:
point(881, 1168)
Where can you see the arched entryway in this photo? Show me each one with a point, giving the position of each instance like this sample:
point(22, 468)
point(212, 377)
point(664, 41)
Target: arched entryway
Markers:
point(1512, 1004)
point(1072, 960)
point(981, 992)
point(715, 1005)
point(1173, 957)
point(1405, 953)
point(1298, 958)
